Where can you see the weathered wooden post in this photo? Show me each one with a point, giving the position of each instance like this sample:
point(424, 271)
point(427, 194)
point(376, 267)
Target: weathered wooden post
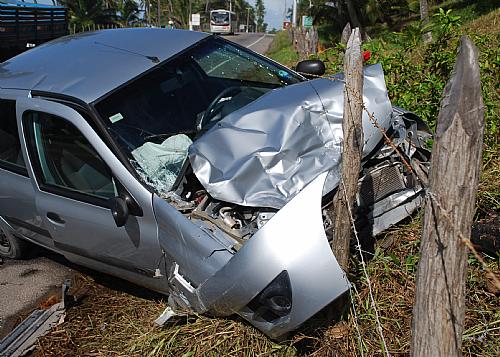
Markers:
point(439, 309)
point(352, 150)
point(346, 32)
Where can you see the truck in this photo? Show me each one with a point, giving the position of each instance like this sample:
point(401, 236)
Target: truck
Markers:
point(24, 25)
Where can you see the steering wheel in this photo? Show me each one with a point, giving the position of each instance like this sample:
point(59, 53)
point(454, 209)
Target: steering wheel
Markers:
point(209, 113)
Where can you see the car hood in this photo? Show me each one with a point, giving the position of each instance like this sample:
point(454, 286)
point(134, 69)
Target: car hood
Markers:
point(265, 153)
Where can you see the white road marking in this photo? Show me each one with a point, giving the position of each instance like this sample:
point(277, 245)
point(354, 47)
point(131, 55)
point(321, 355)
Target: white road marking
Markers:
point(256, 41)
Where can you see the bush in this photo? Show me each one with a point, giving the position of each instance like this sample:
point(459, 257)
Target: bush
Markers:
point(416, 75)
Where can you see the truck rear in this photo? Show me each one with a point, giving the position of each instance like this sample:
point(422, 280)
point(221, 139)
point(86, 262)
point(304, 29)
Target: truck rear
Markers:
point(24, 25)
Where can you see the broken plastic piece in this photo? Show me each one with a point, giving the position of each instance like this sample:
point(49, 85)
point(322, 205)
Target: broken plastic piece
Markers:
point(23, 338)
point(166, 315)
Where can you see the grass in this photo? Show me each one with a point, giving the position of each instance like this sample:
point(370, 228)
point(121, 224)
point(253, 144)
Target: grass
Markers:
point(109, 322)
point(281, 50)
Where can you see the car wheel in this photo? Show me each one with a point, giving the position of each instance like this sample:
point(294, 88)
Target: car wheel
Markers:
point(10, 246)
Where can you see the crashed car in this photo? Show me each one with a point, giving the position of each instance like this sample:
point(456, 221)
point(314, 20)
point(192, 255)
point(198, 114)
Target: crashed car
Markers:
point(194, 167)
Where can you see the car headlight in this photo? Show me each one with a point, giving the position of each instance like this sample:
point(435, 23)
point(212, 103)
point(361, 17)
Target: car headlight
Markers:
point(275, 300)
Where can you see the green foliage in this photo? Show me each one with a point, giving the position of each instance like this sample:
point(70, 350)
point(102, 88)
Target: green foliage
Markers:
point(84, 13)
point(410, 37)
point(446, 23)
point(128, 12)
point(281, 49)
point(416, 74)
point(384, 10)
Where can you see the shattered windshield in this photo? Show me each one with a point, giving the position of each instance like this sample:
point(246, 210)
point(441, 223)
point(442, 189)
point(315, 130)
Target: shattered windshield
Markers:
point(156, 117)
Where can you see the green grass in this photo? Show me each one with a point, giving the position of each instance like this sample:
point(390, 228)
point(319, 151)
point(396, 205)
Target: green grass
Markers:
point(281, 50)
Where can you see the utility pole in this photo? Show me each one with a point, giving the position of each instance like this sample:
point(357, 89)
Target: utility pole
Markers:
point(230, 17)
point(158, 17)
point(190, 21)
point(148, 9)
point(248, 17)
point(294, 14)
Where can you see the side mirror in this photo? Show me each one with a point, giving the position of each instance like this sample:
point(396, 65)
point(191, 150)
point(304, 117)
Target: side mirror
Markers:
point(133, 207)
point(119, 210)
point(311, 68)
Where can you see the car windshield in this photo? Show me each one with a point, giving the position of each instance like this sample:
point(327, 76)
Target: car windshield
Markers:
point(156, 117)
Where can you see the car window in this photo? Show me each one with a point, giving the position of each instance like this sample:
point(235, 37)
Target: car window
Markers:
point(223, 60)
point(167, 100)
point(11, 156)
point(66, 160)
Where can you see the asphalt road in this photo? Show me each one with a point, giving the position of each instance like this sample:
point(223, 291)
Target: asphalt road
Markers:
point(24, 284)
point(258, 42)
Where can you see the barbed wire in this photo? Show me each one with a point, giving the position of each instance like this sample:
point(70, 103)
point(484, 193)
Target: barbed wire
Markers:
point(465, 240)
point(357, 96)
point(365, 272)
point(371, 116)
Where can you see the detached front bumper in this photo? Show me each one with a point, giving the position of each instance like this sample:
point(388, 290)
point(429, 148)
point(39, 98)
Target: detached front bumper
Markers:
point(293, 241)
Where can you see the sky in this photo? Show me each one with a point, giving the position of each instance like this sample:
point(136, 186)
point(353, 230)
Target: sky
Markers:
point(274, 12)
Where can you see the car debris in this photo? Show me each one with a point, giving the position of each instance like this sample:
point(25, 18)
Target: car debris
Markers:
point(22, 340)
point(195, 168)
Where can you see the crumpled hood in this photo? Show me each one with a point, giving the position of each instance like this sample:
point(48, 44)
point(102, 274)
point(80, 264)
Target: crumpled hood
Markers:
point(265, 153)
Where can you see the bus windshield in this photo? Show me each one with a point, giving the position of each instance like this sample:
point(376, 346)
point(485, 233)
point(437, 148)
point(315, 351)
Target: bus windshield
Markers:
point(220, 17)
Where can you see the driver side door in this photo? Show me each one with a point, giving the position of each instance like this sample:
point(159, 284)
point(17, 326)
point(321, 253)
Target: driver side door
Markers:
point(77, 178)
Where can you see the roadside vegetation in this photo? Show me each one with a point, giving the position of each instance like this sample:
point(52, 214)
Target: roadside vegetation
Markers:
point(113, 322)
point(94, 14)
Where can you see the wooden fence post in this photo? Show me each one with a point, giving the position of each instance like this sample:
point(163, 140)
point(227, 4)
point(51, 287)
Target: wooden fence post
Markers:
point(346, 32)
point(352, 150)
point(439, 309)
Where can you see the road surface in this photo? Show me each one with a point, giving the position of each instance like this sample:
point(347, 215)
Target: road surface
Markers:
point(258, 42)
point(26, 283)
point(23, 284)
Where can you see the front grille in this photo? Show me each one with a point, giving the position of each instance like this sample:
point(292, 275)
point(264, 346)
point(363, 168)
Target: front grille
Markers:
point(380, 183)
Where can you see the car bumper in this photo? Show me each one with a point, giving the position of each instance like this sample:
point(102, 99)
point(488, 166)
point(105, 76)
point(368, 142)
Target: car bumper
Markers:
point(294, 241)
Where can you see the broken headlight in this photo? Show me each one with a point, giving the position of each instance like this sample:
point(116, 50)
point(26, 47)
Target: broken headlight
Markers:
point(275, 300)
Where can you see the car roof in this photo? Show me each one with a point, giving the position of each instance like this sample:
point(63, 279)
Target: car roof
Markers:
point(90, 64)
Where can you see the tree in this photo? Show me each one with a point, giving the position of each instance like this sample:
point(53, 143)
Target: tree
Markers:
point(89, 12)
point(353, 14)
point(384, 10)
point(424, 17)
point(260, 11)
point(128, 12)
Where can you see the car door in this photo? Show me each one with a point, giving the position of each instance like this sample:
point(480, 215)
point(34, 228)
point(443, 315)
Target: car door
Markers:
point(76, 178)
point(17, 203)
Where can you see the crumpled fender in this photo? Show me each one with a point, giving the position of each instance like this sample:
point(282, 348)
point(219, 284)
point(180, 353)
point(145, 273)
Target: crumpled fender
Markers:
point(293, 240)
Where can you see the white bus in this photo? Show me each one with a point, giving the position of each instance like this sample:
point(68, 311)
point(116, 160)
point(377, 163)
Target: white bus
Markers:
point(223, 22)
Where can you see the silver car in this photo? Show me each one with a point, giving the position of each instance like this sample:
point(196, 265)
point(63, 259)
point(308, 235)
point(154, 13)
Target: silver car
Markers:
point(194, 167)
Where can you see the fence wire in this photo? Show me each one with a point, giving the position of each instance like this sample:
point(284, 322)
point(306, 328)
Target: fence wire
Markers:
point(430, 196)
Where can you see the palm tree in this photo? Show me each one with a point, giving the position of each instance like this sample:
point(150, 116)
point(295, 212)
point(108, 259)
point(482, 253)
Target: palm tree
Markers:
point(128, 12)
point(85, 13)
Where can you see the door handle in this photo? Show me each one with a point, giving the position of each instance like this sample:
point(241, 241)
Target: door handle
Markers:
point(55, 218)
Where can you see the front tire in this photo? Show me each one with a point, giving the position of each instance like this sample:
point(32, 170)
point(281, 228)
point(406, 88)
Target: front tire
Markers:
point(11, 247)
